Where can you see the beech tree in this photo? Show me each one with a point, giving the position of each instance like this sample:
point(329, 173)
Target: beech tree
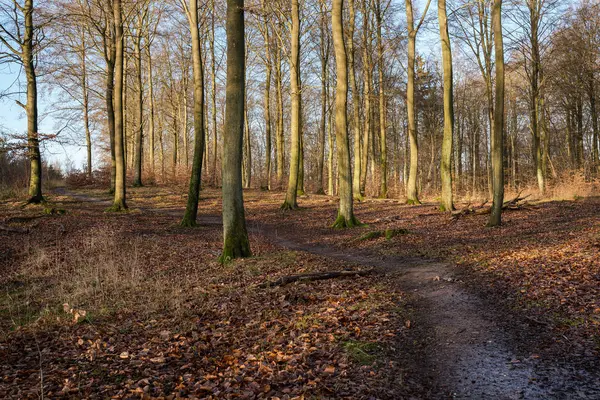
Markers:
point(345, 218)
point(446, 163)
point(290, 202)
point(412, 194)
point(191, 210)
point(498, 132)
point(235, 234)
point(20, 43)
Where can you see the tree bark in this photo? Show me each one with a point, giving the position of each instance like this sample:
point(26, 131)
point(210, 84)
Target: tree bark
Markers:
point(447, 203)
point(191, 209)
point(119, 203)
point(235, 234)
point(382, 106)
point(290, 202)
point(498, 132)
point(31, 108)
point(412, 192)
point(345, 218)
point(356, 104)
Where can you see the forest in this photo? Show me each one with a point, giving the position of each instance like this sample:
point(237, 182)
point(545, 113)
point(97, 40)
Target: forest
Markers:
point(290, 199)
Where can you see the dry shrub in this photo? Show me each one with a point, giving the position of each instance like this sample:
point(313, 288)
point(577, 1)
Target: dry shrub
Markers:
point(95, 273)
point(573, 185)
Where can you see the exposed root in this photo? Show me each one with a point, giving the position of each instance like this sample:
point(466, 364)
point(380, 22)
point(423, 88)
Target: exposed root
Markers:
point(287, 206)
point(342, 222)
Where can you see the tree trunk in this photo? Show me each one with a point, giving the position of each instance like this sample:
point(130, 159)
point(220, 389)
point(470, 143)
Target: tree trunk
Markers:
point(267, 101)
point(498, 132)
point(279, 142)
point(152, 105)
point(235, 235)
point(324, 57)
point(33, 144)
point(191, 209)
point(86, 103)
point(345, 218)
point(119, 203)
point(447, 203)
point(412, 197)
point(213, 68)
point(292, 191)
point(367, 82)
point(139, 134)
point(382, 106)
point(356, 104)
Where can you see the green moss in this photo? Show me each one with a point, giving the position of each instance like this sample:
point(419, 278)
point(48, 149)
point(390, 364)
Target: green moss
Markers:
point(413, 202)
point(363, 353)
point(342, 222)
point(391, 233)
point(388, 234)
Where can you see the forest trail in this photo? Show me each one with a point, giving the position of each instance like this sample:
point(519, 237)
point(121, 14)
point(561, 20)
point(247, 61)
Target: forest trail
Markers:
point(460, 345)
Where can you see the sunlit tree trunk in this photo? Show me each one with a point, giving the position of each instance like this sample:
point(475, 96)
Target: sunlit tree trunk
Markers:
point(295, 123)
point(279, 139)
point(447, 203)
point(323, 57)
point(345, 218)
point(498, 132)
point(191, 209)
point(267, 99)
point(412, 192)
point(31, 108)
point(235, 235)
point(367, 82)
point(382, 105)
point(85, 96)
point(119, 203)
point(356, 104)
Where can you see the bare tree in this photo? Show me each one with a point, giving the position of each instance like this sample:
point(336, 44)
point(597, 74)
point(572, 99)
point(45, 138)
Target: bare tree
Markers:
point(20, 43)
point(235, 234)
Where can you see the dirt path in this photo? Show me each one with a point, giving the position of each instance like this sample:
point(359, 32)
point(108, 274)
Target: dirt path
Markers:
point(459, 345)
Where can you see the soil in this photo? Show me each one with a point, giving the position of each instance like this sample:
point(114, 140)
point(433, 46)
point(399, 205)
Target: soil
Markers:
point(462, 339)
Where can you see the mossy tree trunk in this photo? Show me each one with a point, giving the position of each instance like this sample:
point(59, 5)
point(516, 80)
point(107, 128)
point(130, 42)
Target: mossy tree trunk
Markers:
point(235, 234)
point(345, 218)
point(290, 202)
point(33, 142)
point(498, 132)
point(191, 209)
point(447, 203)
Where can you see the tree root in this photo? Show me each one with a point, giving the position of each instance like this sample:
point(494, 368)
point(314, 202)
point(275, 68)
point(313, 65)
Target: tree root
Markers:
point(316, 276)
point(286, 206)
point(341, 222)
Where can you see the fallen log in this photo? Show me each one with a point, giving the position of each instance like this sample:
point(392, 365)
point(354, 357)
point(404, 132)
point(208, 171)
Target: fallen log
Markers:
point(315, 276)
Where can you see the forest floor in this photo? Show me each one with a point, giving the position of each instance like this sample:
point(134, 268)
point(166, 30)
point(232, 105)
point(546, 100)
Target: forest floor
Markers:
point(102, 305)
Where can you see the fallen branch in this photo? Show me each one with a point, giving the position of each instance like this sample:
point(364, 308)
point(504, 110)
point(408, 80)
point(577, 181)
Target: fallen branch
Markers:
point(315, 276)
point(13, 230)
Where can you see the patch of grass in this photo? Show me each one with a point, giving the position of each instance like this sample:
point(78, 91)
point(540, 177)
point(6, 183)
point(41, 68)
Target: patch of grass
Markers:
point(364, 353)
